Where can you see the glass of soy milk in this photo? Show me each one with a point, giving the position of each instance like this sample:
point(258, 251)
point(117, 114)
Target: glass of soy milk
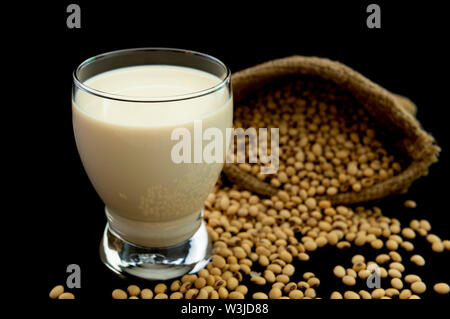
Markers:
point(150, 126)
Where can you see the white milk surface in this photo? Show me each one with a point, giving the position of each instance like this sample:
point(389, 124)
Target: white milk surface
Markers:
point(126, 148)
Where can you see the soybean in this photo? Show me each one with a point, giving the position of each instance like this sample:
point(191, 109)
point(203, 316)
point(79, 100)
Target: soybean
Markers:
point(441, 288)
point(56, 291)
point(146, 293)
point(119, 294)
point(260, 295)
point(418, 287)
point(418, 260)
point(66, 295)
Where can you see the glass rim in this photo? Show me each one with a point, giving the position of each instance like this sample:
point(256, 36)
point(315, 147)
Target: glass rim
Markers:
point(129, 98)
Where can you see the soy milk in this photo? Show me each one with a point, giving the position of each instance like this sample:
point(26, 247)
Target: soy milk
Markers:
point(126, 148)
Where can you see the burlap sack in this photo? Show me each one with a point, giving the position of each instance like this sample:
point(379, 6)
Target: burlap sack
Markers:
point(396, 113)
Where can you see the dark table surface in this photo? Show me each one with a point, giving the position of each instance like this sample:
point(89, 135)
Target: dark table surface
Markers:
point(65, 215)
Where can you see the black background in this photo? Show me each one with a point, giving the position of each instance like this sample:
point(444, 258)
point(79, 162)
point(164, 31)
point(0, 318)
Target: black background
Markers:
point(65, 216)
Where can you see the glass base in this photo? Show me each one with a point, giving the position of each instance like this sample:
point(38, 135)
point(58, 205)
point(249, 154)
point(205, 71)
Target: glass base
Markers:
point(129, 260)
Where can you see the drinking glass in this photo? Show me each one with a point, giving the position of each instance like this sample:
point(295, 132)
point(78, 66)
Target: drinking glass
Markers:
point(127, 142)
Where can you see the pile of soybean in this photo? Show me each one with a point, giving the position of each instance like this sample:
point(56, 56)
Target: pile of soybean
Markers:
point(328, 143)
point(257, 241)
point(263, 247)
